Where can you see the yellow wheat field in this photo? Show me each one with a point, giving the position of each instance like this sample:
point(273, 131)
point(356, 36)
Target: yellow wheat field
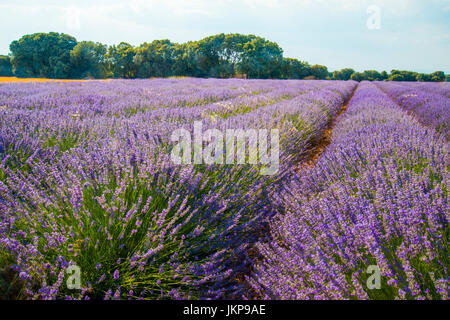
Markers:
point(15, 79)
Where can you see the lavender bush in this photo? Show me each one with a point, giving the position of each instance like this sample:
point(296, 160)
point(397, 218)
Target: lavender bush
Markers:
point(86, 180)
point(378, 196)
point(429, 102)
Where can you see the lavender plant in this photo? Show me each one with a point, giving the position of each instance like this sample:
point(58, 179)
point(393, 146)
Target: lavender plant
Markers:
point(429, 102)
point(377, 197)
point(86, 180)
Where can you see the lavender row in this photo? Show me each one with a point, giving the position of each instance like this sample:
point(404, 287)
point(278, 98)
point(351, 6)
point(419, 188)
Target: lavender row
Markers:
point(430, 102)
point(377, 201)
point(101, 193)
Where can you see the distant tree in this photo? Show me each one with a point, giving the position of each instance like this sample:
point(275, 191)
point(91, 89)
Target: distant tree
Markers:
point(261, 59)
point(294, 69)
point(343, 74)
point(42, 55)
point(438, 76)
point(319, 72)
point(120, 60)
point(210, 57)
point(422, 77)
point(372, 75)
point(223, 54)
point(232, 52)
point(56, 55)
point(233, 46)
point(155, 59)
point(88, 60)
point(397, 75)
point(5, 66)
point(185, 62)
point(358, 76)
point(447, 78)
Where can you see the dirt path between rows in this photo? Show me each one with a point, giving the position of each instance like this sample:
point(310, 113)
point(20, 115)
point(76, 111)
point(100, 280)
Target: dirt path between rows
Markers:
point(325, 140)
point(309, 161)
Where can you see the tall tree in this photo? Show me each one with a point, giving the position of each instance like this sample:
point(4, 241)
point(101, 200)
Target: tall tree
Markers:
point(120, 59)
point(437, 76)
point(343, 74)
point(384, 75)
point(294, 69)
point(261, 59)
point(185, 62)
point(5, 66)
point(88, 60)
point(42, 55)
point(155, 59)
point(357, 76)
point(208, 57)
point(372, 75)
point(422, 77)
point(398, 75)
point(319, 71)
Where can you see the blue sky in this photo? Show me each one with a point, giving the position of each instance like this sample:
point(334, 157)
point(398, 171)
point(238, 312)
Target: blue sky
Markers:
point(412, 34)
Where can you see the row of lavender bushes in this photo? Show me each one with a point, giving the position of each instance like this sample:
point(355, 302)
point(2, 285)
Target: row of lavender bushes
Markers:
point(86, 180)
point(378, 196)
point(429, 102)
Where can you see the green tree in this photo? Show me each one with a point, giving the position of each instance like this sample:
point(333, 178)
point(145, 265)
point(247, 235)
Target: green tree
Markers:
point(42, 55)
point(372, 75)
point(5, 66)
point(185, 61)
point(438, 76)
point(232, 52)
point(120, 60)
point(220, 55)
point(384, 75)
point(207, 53)
point(88, 60)
point(261, 59)
point(343, 74)
point(319, 72)
point(422, 77)
point(155, 59)
point(357, 76)
point(397, 75)
point(294, 69)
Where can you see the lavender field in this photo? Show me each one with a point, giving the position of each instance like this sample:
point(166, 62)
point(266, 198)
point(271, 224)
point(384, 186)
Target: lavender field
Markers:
point(87, 180)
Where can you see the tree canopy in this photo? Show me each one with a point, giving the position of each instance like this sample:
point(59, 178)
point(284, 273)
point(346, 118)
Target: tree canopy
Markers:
point(5, 66)
point(88, 60)
point(42, 55)
point(58, 55)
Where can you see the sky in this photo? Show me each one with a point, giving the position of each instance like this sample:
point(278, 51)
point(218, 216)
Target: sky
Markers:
point(361, 34)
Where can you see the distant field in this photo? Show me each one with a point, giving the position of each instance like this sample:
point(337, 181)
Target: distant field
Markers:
point(88, 180)
point(15, 79)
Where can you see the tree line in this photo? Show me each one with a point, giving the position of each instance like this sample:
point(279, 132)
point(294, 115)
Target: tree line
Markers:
point(61, 56)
